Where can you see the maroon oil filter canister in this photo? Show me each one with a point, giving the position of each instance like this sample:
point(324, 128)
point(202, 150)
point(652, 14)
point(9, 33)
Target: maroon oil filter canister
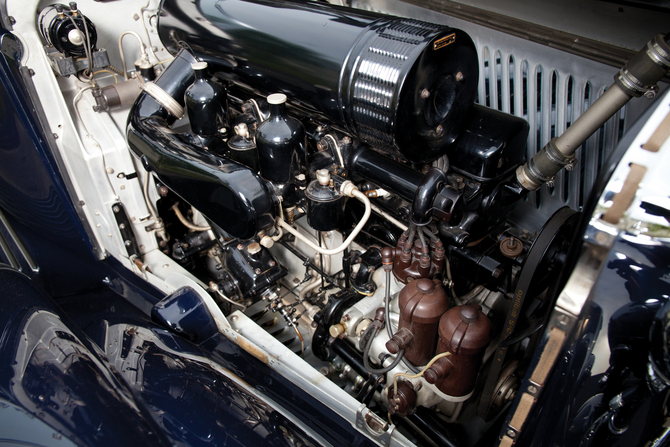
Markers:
point(465, 332)
point(422, 303)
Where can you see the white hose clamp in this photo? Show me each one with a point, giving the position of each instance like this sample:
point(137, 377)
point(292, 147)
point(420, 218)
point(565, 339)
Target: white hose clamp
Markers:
point(348, 188)
point(163, 98)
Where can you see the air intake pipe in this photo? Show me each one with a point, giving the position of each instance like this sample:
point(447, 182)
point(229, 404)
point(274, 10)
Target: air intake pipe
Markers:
point(400, 85)
point(228, 193)
point(636, 78)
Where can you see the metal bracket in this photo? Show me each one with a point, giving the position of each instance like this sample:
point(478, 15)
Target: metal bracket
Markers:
point(378, 428)
point(125, 228)
point(66, 66)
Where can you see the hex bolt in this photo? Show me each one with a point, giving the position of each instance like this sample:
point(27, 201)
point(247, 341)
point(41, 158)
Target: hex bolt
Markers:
point(440, 130)
point(459, 76)
point(116, 209)
point(425, 93)
point(163, 191)
point(322, 145)
point(346, 140)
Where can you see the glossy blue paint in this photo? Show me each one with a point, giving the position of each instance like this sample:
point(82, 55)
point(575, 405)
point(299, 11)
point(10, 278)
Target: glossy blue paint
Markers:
point(189, 387)
point(50, 369)
point(186, 314)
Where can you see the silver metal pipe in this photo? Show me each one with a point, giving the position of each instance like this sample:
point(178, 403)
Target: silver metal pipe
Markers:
point(638, 77)
point(595, 116)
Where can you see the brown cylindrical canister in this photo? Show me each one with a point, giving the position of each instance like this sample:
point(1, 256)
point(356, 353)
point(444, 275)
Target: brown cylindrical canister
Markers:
point(465, 332)
point(422, 303)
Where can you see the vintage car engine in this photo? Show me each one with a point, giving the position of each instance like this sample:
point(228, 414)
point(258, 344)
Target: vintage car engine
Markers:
point(326, 175)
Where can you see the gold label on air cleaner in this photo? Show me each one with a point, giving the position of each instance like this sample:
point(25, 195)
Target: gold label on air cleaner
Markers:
point(443, 42)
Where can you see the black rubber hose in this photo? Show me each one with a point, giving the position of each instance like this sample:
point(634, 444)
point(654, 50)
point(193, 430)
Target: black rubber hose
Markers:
point(422, 238)
point(410, 237)
point(430, 234)
point(366, 358)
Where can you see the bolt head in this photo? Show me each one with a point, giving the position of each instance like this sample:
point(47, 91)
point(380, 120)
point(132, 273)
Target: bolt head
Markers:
point(439, 130)
point(425, 93)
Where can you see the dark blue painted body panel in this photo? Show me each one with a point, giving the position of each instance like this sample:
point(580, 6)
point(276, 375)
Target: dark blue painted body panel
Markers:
point(48, 367)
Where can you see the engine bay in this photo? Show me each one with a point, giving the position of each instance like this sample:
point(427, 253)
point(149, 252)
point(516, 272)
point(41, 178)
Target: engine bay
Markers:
point(328, 183)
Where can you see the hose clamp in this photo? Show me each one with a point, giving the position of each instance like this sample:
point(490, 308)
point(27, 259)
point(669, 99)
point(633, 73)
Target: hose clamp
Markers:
point(164, 99)
point(556, 156)
point(529, 177)
point(657, 53)
point(633, 85)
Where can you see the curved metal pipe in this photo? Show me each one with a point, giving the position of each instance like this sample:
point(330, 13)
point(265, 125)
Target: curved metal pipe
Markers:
point(226, 192)
point(424, 196)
